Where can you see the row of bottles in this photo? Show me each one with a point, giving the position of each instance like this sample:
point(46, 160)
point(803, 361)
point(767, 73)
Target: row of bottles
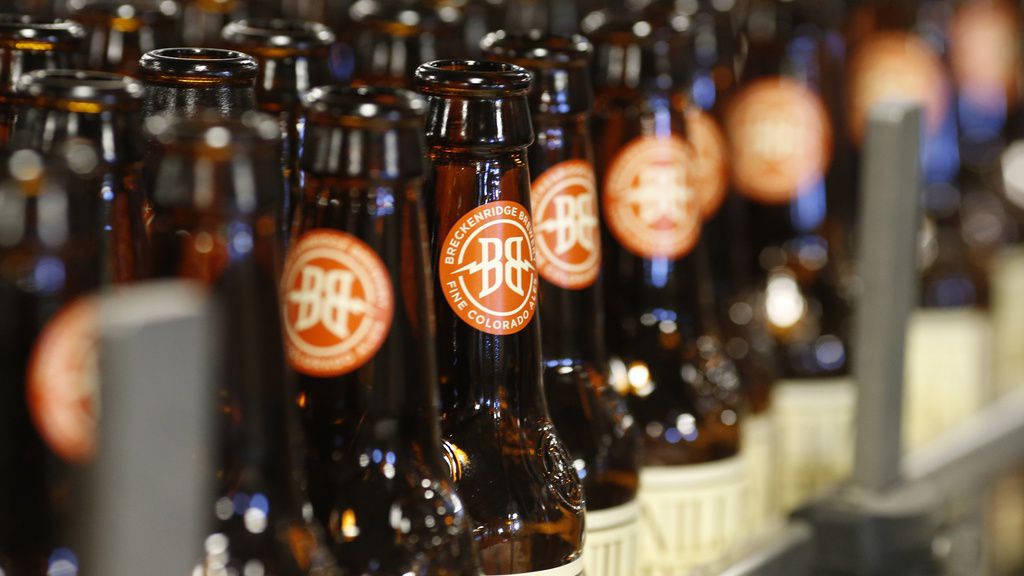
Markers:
point(671, 195)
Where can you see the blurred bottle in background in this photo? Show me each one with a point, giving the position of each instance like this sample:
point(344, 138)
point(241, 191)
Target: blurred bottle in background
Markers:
point(591, 416)
point(49, 267)
point(105, 110)
point(119, 33)
point(215, 222)
point(791, 212)
point(510, 467)
point(666, 354)
point(292, 57)
point(897, 52)
point(385, 40)
point(359, 331)
point(27, 44)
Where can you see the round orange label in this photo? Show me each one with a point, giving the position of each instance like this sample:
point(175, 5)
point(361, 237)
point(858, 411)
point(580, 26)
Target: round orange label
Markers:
point(710, 173)
point(896, 66)
point(63, 381)
point(564, 202)
point(985, 51)
point(486, 268)
point(649, 202)
point(781, 139)
point(338, 303)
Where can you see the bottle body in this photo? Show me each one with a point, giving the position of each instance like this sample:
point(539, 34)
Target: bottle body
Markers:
point(368, 387)
point(53, 46)
point(50, 262)
point(213, 225)
point(510, 467)
point(666, 355)
point(104, 110)
point(119, 33)
point(794, 202)
point(591, 416)
point(292, 57)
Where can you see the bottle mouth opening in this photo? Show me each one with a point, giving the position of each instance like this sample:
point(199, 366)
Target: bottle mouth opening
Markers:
point(121, 13)
point(80, 91)
point(197, 65)
point(378, 105)
point(537, 48)
point(472, 77)
point(23, 32)
point(277, 33)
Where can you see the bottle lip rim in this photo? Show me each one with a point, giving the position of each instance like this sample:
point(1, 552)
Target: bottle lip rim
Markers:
point(472, 78)
point(200, 65)
point(369, 106)
point(124, 10)
point(278, 34)
point(537, 48)
point(608, 27)
point(76, 90)
point(38, 34)
point(403, 21)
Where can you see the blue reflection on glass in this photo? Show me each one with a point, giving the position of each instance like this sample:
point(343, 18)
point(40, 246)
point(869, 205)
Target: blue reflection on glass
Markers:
point(703, 90)
point(48, 274)
point(940, 155)
point(260, 502)
point(241, 502)
point(241, 242)
point(981, 121)
point(62, 562)
point(658, 271)
point(808, 211)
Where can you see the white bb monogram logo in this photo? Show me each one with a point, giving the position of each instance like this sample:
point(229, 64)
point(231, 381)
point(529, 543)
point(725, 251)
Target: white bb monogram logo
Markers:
point(501, 263)
point(572, 224)
point(661, 193)
point(325, 297)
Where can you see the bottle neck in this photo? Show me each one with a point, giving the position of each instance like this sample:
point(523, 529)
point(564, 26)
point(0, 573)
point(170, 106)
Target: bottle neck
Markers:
point(390, 402)
point(573, 324)
point(229, 100)
point(498, 374)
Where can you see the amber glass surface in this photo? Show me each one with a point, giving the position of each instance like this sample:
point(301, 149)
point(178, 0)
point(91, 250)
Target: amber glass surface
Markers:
point(119, 33)
point(385, 40)
point(795, 254)
point(679, 383)
point(48, 258)
point(28, 44)
point(292, 57)
point(103, 109)
point(510, 467)
point(376, 441)
point(590, 415)
point(215, 221)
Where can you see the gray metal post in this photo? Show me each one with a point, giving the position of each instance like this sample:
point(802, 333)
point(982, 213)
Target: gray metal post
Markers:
point(148, 494)
point(889, 219)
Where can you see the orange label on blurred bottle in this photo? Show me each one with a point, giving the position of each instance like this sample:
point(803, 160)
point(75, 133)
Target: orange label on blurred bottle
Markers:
point(892, 66)
point(710, 173)
point(985, 52)
point(649, 201)
point(63, 381)
point(781, 140)
point(564, 202)
point(338, 303)
point(486, 268)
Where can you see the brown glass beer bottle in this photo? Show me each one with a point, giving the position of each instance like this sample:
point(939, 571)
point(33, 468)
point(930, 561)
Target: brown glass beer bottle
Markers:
point(511, 469)
point(359, 332)
point(191, 81)
point(292, 57)
point(216, 221)
point(679, 384)
point(792, 189)
point(118, 33)
point(103, 109)
point(201, 21)
point(49, 264)
point(28, 44)
point(591, 416)
point(385, 40)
